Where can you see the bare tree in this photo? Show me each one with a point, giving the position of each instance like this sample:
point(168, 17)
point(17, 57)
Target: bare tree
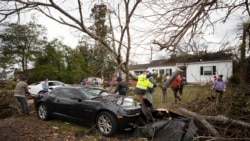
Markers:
point(160, 24)
point(73, 14)
point(175, 24)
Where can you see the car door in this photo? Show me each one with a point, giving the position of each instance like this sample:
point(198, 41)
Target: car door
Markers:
point(88, 107)
point(75, 99)
point(65, 102)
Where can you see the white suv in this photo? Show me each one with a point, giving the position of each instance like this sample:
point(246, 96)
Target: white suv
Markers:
point(36, 88)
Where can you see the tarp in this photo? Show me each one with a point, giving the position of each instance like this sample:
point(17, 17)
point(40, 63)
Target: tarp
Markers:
point(168, 130)
point(165, 128)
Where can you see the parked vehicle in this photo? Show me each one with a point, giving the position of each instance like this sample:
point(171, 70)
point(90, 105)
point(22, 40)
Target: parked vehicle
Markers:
point(110, 113)
point(36, 88)
point(108, 83)
point(89, 81)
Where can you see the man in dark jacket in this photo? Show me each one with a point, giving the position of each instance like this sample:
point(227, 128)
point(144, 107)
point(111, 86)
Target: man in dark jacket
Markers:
point(19, 92)
point(121, 86)
point(150, 91)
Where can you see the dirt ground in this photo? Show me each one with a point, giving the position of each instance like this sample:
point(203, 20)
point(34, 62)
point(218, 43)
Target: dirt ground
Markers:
point(21, 128)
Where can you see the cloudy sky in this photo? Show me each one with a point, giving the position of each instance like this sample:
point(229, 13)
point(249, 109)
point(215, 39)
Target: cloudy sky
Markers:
point(223, 32)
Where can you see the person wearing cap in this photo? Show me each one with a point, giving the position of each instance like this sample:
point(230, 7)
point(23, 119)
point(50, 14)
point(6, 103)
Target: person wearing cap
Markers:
point(20, 90)
point(142, 85)
point(219, 86)
point(150, 91)
point(121, 86)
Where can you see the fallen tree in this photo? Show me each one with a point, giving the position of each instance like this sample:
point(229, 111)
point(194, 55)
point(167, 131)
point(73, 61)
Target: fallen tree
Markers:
point(204, 120)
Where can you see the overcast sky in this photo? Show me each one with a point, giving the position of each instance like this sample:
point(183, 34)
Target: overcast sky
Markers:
point(70, 36)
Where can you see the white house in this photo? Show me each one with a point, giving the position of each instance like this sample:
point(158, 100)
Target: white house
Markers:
point(201, 71)
point(206, 70)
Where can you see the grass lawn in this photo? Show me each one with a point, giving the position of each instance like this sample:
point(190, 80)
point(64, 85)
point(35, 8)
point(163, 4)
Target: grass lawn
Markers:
point(195, 98)
point(190, 93)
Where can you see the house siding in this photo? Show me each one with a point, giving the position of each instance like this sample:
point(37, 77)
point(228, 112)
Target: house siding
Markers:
point(193, 72)
point(157, 69)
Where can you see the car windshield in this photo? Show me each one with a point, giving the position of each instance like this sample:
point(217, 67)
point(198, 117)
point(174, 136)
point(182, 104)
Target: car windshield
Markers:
point(94, 92)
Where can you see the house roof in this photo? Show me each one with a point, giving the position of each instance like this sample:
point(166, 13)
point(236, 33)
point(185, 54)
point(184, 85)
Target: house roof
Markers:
point(218, 56)
point(162, 62)
point(139, 67)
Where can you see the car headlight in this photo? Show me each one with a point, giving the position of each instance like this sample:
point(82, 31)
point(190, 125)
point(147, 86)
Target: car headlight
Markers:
point(132, 111)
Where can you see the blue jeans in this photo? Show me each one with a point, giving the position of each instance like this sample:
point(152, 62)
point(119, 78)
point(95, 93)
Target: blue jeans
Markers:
point(24, 105)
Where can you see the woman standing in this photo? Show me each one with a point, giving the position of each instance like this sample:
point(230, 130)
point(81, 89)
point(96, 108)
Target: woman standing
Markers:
point(101, 82)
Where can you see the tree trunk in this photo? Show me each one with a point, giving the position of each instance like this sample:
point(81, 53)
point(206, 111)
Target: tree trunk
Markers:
point(200, 118)
point(224, 119)
point(203, 119)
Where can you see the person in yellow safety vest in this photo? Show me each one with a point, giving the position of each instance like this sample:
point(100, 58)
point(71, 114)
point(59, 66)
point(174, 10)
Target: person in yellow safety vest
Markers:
point(141, 86)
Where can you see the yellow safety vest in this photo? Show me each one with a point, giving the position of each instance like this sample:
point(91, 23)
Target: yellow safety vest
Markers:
point(143, 82)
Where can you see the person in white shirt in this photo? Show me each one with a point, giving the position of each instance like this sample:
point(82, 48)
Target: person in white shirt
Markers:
point(45, 85)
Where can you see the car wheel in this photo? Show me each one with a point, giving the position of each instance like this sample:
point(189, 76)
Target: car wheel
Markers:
point(107, 124)
point(43, 112)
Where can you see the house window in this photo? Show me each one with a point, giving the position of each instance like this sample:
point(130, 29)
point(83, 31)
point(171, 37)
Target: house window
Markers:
point(137, 72)
point(208, 70)
point(168, 72)
point(161, 71)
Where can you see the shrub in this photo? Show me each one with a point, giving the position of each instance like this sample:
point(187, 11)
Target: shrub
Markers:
point(234, 79)
point(9, 85)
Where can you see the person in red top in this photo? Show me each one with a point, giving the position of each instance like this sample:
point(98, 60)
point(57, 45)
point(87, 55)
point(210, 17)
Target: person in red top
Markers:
point(176, 87)
point(215, 78)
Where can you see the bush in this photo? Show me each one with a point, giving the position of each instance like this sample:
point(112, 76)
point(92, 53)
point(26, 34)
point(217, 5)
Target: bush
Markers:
point(9, 85)
point(235, 79)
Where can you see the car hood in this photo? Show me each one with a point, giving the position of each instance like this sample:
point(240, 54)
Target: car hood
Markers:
point(119, 100)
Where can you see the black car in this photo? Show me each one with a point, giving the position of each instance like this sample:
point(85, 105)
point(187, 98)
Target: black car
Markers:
point(110, 113)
